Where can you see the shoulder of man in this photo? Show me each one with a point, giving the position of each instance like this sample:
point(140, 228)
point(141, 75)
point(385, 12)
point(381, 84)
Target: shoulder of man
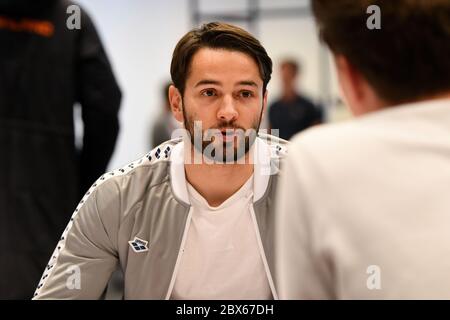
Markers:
point(93, 230)
point(124, 187)
point(338, 148)
point(277, 147)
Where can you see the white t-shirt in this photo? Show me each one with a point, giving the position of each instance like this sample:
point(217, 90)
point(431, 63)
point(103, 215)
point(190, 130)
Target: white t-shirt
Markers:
point(364, 208)
point(221, 259)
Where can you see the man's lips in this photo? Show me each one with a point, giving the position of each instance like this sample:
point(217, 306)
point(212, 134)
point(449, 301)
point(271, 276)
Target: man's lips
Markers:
point(228, 134)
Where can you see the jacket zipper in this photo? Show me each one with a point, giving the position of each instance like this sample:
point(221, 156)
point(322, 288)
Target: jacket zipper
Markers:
point(180, 253)
point(263, 255)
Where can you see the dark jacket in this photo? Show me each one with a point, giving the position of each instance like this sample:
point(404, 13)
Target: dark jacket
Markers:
point(45, 68)
point(291, 117)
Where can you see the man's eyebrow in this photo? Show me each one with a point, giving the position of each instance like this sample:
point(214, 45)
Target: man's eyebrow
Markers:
point(207, 81)
point(248, 83)
point(215, 82)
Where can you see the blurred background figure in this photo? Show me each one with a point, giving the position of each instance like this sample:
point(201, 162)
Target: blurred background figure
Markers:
point(165, 123)
point(45, 68)
point(292, 112)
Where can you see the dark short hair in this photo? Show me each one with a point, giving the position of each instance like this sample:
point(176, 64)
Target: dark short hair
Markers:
point(407, 59)
point(216, 35)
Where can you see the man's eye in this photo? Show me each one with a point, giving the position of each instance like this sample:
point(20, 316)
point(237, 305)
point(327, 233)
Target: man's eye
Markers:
point(246, 94)
point(208, 93)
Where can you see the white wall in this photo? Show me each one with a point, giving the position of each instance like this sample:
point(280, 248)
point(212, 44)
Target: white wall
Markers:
point(139, 36)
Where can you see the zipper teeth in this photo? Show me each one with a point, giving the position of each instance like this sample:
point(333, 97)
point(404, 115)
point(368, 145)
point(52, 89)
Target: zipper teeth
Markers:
point(180, 253)
point(263, 255)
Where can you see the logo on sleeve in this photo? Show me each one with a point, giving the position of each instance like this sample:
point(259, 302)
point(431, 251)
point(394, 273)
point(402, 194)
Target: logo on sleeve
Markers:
point(138, 245)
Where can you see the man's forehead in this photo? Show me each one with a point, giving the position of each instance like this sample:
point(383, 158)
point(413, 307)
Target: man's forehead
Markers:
point(220, 66)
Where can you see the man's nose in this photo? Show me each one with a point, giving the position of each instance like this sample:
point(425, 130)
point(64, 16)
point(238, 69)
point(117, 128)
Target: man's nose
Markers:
point(227, 111)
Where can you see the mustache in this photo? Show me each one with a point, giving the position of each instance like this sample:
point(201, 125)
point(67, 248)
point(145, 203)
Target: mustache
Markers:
point(227, 125)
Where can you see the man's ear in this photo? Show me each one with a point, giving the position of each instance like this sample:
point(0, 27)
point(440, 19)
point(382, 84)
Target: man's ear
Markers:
point(356, 91)
point(349, 81)
point(176, 103)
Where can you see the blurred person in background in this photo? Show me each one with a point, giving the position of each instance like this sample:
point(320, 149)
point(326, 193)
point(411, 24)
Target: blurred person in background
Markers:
point(165, 123)
point(45, 68)
point(364, 209)
point(292, 112)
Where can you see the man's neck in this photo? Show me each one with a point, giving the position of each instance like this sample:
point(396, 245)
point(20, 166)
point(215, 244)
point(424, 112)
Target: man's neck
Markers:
point(217, 182)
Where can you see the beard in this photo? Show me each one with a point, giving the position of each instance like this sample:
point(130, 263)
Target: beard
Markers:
point(212, 144)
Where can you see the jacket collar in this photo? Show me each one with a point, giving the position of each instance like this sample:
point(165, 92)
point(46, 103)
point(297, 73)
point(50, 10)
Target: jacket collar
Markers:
point(262, 170)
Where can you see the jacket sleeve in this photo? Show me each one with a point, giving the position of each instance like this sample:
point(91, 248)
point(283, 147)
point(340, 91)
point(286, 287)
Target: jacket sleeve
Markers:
point(99, 96)
point(86, 255)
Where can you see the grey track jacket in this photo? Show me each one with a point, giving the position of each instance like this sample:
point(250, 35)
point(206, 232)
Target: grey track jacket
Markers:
point(146, 201)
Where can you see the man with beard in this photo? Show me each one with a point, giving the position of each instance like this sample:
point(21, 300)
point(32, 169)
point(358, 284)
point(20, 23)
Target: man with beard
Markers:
point(193, 218)
point(45, 68)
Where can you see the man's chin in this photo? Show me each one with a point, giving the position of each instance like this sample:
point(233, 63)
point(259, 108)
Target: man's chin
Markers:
point(221, 151)
point(224, 153)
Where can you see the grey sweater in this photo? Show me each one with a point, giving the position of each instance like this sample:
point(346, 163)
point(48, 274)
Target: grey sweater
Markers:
point(136, 218)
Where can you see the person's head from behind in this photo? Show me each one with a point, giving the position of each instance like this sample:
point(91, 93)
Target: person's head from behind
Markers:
point(407, 60)
point(220, 74)
point(289, 71)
